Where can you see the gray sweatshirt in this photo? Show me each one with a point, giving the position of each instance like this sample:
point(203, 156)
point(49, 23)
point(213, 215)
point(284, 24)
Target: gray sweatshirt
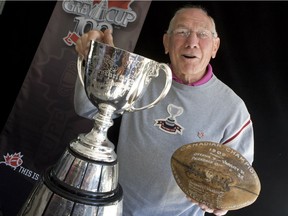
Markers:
point(148, 138)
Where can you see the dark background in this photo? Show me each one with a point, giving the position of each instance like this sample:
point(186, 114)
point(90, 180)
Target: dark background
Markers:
point(252, 60)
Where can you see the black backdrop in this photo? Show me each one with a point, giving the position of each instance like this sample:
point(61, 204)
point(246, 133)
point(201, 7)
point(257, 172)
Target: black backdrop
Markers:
point(252, 60)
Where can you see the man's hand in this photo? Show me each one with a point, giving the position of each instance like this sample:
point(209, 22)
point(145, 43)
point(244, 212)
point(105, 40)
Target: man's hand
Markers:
point(205, 208)
point(83, 43)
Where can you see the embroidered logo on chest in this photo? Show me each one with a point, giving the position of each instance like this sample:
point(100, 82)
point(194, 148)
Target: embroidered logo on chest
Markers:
point(169, 124)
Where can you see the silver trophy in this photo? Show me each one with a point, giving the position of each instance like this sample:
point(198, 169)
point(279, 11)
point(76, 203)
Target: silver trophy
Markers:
point(85, 179)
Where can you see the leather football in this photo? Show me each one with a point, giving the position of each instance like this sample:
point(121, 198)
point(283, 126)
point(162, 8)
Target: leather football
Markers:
point(215, 175)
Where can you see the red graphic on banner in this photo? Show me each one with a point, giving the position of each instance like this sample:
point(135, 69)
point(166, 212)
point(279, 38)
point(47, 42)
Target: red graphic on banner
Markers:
point(71, 38)
point(13, 160)
point(116, 4)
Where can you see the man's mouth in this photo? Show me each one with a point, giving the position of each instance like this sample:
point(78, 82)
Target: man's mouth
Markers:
point(189, 56)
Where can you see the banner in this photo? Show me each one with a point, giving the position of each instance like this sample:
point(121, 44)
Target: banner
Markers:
point(43, 121)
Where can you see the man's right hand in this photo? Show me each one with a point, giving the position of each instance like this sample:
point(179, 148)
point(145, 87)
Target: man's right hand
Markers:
point(83, 43)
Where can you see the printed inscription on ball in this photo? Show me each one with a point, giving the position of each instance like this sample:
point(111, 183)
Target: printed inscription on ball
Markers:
point(215, 175)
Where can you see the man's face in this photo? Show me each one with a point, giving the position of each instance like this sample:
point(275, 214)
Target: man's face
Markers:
point(191, 44)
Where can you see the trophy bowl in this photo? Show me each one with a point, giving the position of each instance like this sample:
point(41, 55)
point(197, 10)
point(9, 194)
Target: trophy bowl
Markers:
point(114, 79)
point(117, 77)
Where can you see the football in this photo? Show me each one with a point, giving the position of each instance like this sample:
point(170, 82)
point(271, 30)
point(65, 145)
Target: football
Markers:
point(215, 175)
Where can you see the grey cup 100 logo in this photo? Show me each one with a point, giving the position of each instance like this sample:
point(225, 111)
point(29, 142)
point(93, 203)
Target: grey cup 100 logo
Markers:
point(96, 14)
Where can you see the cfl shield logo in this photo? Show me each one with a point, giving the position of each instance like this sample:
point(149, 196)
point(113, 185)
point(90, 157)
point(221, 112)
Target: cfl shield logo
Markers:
point(13, 161)
point(98, 15)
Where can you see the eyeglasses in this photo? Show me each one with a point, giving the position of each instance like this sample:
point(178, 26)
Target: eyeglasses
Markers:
point(185, 33)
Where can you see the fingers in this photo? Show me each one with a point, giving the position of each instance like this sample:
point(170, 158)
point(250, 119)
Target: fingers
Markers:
point(217, 212)
point(83, 43)
point(220, 212)
point(205, 208)
point(108, 38)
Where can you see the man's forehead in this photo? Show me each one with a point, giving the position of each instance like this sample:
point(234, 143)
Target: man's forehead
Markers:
point(193, 16)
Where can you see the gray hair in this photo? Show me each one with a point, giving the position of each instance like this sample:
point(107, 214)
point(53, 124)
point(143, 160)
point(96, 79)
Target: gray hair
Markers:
point(171, 24)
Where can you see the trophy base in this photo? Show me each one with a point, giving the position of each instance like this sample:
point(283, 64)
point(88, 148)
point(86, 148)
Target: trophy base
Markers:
point(75, 187)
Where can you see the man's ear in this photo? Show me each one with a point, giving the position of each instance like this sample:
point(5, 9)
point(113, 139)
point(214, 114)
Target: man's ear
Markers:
point(166, 43)
point(216, 45)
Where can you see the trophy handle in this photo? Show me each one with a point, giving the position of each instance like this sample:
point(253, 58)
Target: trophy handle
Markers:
point(164, 92)
point(80, 68)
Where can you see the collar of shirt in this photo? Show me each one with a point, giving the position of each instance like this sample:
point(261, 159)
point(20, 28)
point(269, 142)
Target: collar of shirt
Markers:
point(208, 75)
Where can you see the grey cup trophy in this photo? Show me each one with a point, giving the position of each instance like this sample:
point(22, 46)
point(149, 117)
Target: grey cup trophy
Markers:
point(85, 179)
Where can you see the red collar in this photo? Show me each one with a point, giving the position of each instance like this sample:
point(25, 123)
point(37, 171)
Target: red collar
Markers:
point(208, 75)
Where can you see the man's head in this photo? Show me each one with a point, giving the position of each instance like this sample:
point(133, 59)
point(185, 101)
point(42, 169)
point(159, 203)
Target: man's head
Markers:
point(191, 41)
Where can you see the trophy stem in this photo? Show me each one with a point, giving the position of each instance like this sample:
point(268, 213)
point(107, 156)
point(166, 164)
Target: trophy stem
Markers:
point(95, 144)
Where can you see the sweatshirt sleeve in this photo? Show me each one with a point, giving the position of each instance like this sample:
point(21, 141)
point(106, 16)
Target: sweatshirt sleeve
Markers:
point(240, 134)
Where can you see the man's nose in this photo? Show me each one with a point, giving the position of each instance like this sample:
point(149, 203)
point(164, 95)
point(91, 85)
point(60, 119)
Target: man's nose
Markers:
point(192, 40)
